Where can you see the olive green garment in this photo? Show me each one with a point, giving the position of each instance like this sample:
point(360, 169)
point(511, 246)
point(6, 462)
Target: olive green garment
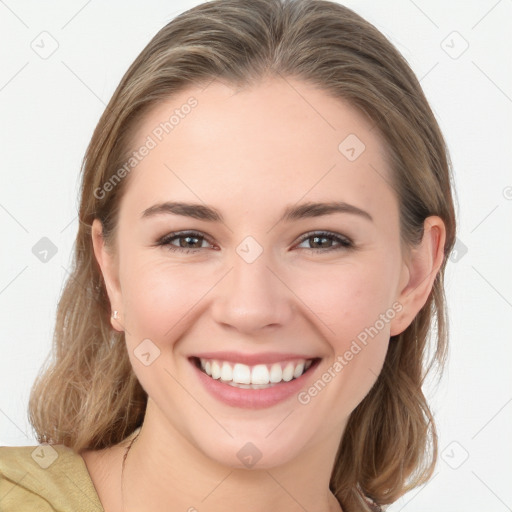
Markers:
point(45, 478)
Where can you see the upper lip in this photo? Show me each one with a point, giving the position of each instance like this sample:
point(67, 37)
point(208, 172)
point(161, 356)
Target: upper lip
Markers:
point(253, 359)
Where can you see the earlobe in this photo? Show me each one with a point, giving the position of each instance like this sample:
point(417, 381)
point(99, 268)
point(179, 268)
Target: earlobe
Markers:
point(421, 268)
point(108, 268)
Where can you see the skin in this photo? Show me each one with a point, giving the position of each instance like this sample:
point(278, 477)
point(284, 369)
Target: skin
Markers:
point(249, 153)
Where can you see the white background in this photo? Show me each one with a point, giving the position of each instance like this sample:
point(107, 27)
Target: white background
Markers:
point(49, 108)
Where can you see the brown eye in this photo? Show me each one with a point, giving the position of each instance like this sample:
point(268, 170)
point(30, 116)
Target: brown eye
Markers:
point(322, 241)
point(189, 241)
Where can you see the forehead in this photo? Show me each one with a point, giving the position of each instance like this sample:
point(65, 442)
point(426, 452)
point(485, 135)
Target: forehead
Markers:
point(274, 142)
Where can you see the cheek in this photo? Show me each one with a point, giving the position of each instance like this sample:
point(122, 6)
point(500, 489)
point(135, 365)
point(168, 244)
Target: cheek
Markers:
point(347, 298)
point(159, 298)
point(357, 351)
point(354, 305)
point(341, 301)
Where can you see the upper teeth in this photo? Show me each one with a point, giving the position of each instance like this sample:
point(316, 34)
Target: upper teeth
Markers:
point(239, 373)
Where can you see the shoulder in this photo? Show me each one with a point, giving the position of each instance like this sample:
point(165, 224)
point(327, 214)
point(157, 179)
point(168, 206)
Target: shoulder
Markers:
point(45, 478)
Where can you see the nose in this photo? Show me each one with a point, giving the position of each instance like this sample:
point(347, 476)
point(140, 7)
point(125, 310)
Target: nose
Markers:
point(253, 297)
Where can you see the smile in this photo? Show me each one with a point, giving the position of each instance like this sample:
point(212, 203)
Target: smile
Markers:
point(259, 376)
point(253, 381)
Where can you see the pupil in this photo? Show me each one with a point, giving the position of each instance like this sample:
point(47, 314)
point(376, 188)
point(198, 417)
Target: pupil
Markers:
point(317, 238)
point(188, 238)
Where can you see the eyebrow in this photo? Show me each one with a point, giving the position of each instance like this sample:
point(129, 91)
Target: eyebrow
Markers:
point(291, 213)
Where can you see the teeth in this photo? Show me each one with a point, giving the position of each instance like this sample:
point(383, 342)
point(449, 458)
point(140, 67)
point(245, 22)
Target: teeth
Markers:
point(226, 372)
point(260, 374)
point(299, 370)
point(276, 373)
point(288, 372)
point(241, 374)
point(255, 377)
point(215, 370)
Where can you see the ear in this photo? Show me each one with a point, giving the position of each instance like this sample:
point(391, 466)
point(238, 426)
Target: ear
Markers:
point(109, 269)
point(420, 269)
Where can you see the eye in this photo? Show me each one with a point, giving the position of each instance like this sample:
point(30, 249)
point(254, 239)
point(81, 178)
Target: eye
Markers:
point(190, 241)
point(320, 238)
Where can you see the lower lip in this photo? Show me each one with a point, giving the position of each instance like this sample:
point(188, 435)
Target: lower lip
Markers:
point(253, 398)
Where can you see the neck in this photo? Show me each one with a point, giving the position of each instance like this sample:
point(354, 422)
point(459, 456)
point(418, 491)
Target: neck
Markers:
point(164, 472)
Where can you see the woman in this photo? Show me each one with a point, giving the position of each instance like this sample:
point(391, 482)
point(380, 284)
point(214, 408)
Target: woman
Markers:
point(265, 219)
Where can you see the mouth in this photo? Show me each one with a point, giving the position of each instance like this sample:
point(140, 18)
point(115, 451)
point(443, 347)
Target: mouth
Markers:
point(255, 377)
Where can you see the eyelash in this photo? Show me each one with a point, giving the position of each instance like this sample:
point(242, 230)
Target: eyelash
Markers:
point(345, 243)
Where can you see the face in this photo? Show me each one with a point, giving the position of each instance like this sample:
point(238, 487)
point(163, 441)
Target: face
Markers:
point(237, 289)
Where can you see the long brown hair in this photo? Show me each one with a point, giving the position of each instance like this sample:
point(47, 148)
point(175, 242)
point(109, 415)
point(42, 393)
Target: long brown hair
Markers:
point(88, 397)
